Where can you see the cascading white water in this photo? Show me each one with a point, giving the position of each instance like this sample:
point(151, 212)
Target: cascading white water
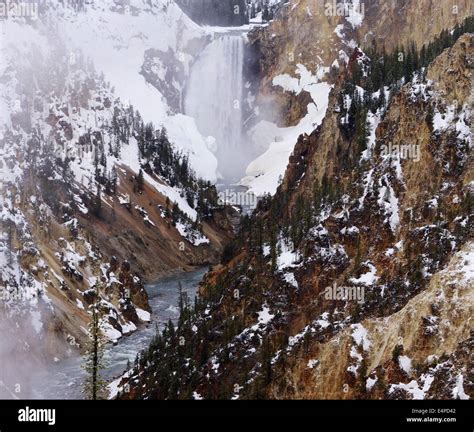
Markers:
point(214, 98)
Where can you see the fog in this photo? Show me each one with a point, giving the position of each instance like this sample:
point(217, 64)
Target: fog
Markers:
point(20, 356)
point(214, 97)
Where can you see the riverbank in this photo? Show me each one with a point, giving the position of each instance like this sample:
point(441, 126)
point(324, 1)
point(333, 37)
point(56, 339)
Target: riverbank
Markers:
point(63, 380)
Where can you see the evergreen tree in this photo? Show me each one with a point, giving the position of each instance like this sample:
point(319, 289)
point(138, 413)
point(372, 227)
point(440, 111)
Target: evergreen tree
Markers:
point(96, 207)
point(140, 181)
point(175, 214)
point(94, 386)
point(114, 181)
point(382, 99)
point(273, 250)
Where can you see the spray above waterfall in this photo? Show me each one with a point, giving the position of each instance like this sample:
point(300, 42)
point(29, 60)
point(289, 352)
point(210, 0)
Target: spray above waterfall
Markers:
point(214, 98)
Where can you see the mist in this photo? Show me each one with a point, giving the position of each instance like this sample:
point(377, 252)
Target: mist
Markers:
point(214, 97)
point(21, 358)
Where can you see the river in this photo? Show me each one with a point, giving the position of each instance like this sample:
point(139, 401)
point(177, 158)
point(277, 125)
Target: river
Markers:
point(63, 380)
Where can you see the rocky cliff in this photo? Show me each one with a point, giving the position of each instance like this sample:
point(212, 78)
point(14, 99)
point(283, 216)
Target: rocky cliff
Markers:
point(355, 280)
point(322, 35)
point(217, 12)
point(91, 194)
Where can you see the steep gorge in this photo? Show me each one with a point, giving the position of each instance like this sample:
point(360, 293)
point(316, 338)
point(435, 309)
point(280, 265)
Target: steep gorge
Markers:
point(93, 198)
point(353, 281)
point(349, 213)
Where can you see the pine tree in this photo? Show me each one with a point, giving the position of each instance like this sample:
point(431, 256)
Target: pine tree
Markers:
point(114, 181)
point(363, 131)
point(175, 215)
point(382, 99)
point(273, 250)
point(140, 181)
point(96, 163)
point(94, 386)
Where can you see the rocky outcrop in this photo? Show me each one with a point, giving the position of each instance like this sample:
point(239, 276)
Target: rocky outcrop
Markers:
point(392, 24)
point(170, 85)
point(355, 280)
point(320, 34)
point(419, 352)
point(216, 12)
point(82, 210)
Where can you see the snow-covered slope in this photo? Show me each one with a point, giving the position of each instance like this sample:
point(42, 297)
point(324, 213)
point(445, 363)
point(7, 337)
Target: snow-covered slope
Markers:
point(360, 264)
point(291, 73)
point(264, 173)
point(91, 190)
point(115, 39)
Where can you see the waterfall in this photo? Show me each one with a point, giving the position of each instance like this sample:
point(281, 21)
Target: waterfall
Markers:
point(214, 98)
